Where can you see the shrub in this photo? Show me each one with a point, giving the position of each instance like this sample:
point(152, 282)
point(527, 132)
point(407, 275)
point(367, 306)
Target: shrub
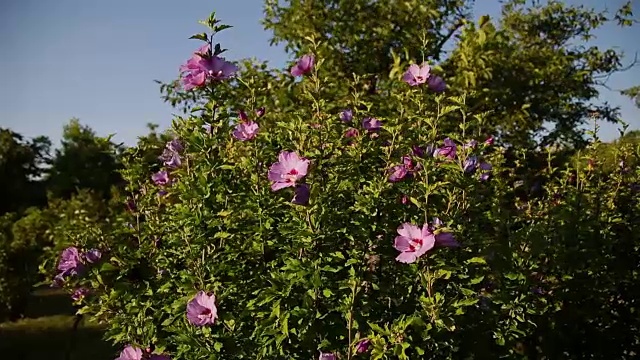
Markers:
point(306, 229)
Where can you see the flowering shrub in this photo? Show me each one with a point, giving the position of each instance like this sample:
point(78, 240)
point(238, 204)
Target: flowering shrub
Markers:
point(334, 231)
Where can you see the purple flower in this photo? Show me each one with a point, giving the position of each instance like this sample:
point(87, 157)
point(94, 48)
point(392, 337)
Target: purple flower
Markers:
point(131, 205)
point(70, 261)
point(208, 128)
point(260, 112)
point(470, 145)
point(175, 146)
point(303, 66)
point(397, 173)
point(243, 115)
point(58, 281)
point(490, 140)
point(421, 151)
point(448, 150)
point(245, 131)
point(79, 294)
point(92, 255)
point(202, 310)
point(301, 195)
point(413, 242)
point(486, 171)
point(173, 161)
point(470, 164)
point(327, 356)
point(371, 124)
point(443, 238)
point(363, 346)
point(346, 115)
point(436, 83)
point(404, 200)
point(416, 75)
point(160, 178)
point(130, 353)
point(352, 132)
point(289, 169)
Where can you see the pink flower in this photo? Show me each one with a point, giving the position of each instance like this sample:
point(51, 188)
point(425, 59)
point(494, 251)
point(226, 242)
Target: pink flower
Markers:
point(303, 66)
point(448, 150)
point(202, 310)
point(289, 169)
point(160, 178)
point(352, 132)
point(363, 346)
point(489, 141)
point(416, 75)
point(397, 173)
point(327, 356)
point(130, 353)
point(246, 130)
point(202, 66)
point(371, 124)
point(413, 242)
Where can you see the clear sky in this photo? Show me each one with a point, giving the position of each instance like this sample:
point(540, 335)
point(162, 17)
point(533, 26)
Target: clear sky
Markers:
point(96, 60)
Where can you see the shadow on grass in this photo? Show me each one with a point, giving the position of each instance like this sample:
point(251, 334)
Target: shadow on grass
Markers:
point(47, 333)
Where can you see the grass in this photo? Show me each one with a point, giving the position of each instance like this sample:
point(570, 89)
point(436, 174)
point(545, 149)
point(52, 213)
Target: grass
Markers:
point(46, 332)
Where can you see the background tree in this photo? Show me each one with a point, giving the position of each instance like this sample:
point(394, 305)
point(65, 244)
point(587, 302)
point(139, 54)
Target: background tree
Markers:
point(84, 161)
point(22, 164)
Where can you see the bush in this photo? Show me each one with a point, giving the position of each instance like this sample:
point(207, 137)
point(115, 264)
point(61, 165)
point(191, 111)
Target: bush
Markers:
point(284, 243)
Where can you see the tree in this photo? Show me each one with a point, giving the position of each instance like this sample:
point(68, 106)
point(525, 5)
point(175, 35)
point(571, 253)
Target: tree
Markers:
point(84, 161)
point(533, 63)
point(22, 164)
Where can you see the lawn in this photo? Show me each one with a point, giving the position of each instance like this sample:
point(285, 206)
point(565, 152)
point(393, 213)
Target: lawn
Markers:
point(46, 332)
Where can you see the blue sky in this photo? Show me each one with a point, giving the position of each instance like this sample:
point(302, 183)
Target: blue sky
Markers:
point(96, 60)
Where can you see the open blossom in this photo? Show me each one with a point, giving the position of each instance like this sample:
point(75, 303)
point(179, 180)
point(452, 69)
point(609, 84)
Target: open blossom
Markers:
point(413, 242)
point(70, 261)
point(448, 150)
point(202, 310)
point(160, 178)
point(288, 170)
point(301, 196)
point(92, 255)
point(246, 130)
point(371, 124)
point(346, 115)
point(436, 83)
point(170, 159)
point(363, 346)
point(303, 66)
point(203, 66)
point(416, 75)
point(130, 353)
